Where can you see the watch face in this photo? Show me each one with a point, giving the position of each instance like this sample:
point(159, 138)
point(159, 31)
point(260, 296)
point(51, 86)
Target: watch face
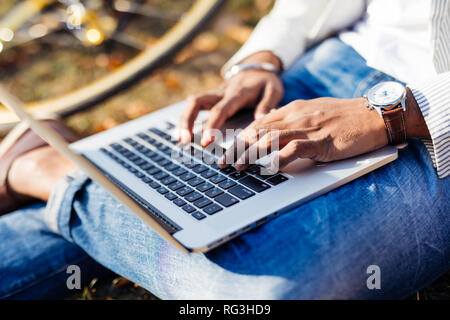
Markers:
point(386, 94)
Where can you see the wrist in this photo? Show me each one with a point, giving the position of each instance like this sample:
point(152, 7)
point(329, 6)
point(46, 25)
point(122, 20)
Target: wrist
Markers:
point(264, 56)
point(415, 122)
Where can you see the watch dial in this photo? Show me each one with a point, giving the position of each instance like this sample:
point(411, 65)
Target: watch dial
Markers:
point(386, 93)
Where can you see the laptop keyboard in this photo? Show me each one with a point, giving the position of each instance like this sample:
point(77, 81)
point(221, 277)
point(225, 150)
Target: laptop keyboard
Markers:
point(190, 181)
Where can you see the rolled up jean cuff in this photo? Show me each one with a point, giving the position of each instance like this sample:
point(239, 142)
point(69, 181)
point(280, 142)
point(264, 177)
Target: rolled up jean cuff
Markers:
point(60, 204)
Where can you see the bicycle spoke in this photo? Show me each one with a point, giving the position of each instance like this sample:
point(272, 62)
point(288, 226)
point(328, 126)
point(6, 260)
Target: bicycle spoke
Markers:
point(145, 10)
point(129, 41)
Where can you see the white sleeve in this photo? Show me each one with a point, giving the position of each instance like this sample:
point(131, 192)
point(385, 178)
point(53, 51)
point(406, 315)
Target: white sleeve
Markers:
point(289, 26)
point(433, 99)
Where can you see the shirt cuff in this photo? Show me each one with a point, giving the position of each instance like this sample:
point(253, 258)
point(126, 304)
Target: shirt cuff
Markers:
point(433, 99)
point(276, 42)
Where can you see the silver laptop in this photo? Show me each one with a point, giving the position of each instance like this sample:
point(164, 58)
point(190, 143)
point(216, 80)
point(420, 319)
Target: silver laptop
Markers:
point(190, 201)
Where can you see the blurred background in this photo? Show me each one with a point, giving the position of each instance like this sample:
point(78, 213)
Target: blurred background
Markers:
point(51, 49)
point(49, 58)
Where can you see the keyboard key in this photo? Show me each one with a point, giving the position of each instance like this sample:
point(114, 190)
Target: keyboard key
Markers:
point(168, 180)
point(176, 185)
point(154, 184)
point(265, 174)
point(127, 154)
point(184, 191)
point(161, 175)
point(217, 179)
point(171, 196)
point(164, 162)
point(203, 202)
point(167, 150)
point(254, 184)
point(279, 178)
point(212, 208)
point(158, 158)
point(162, 190)
point(200, 169)
point(204, 187)
point(150, 140)
point(178, 172)
point(139, 174)
point(191, 165)
point(133, 158)
point(140, 148)
point(172, 167)
point(226, 200)
point(140, 162)
point(143, 136)
point(227, 184)
point(153, 171)
point(150, 153)
point(132, 170)
point(188, 208)
point(237, 175)
point(241, 192)
point(214, 166)
point(187, 176)
point(208, 173)
point(193, 196)
point(147, 166)
point(199, 216)
point(147, 180)
point(214, 192)
point(179, 202)
point(228, 170)
point(196, 181)
point(255, 169)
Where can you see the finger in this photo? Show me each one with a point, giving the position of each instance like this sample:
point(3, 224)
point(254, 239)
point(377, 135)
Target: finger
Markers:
point(269, 100)
point(194, 105)
point(247, 137)
point(292, 151)
point(272, 141)
point(240, 144)
point(220, 113)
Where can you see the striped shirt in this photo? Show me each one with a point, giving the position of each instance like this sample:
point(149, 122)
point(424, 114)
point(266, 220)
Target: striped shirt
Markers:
point(433, 97)
point(315, 20)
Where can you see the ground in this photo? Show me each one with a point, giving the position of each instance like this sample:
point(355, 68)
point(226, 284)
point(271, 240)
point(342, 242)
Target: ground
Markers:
point(195, 69)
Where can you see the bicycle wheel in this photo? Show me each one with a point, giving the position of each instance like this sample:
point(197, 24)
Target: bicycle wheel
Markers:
point(105, 30)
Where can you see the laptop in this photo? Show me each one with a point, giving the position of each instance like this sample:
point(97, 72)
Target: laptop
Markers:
point(188, 199)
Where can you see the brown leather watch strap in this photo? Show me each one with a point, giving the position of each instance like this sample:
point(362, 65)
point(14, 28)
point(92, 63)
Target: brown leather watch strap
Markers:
point(395, 125)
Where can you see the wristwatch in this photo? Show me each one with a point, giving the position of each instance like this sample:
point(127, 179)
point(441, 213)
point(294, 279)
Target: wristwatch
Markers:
point(234, 70)
point(388, 99)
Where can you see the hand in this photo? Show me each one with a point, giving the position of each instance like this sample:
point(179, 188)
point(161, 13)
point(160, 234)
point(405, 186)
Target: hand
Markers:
point(246, 89)
point(323, 129)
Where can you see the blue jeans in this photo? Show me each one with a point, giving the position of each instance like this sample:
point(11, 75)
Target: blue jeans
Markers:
point(396, 217)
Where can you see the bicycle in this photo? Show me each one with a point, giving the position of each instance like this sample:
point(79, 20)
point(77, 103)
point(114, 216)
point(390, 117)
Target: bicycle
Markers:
point(105, 29)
